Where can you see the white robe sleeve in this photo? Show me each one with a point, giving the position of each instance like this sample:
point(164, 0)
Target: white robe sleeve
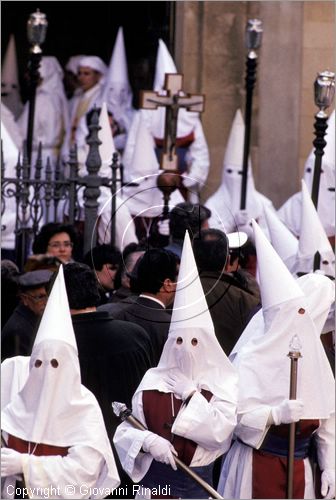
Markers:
point(252, 426)
point(198, 157)
point(209, 424)
point(128, 442)
point(325, 440)
point(71, 476)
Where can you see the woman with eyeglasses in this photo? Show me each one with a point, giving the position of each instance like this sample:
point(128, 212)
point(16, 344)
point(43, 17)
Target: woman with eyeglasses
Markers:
point(56, 239)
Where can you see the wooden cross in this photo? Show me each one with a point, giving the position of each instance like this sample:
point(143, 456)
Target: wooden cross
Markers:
point(173, 101)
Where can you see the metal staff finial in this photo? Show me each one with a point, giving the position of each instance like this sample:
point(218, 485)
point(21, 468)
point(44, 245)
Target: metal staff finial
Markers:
point(324, 92)
point(294, 355)
point(253, 36)
point(36, 32)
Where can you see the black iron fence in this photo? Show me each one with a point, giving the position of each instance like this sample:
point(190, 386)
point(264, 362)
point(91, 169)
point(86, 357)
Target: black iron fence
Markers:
point(49, 196)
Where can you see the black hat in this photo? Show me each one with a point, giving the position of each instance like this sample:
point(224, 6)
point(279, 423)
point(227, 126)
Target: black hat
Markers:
point(34, 279)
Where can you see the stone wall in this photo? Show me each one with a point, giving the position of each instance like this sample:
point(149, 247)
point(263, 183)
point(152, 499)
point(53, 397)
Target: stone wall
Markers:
point(298, 42)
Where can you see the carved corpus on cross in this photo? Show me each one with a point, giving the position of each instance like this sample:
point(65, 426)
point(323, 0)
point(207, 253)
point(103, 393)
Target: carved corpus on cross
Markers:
point(173, 101)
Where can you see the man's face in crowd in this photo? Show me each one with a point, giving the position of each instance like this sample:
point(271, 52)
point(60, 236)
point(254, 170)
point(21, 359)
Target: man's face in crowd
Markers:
point(35, 299)
point(87, 77)
point(107, 275)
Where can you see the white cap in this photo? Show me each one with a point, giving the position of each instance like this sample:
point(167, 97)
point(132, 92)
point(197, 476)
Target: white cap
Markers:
point(237, 239)
point(73, 63)
point(9, 70)
point(56, 321)
point(277, 285)
point(284, 242)
point(107, 147)
point(312, 238)
point(93, 62)
point(164, 64)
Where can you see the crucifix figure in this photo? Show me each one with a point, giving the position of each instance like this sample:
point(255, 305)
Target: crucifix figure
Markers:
point(173, 101)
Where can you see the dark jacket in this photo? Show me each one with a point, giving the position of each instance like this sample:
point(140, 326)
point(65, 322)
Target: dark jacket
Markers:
point(18, 334)
point(231, 303)
point(153, 318)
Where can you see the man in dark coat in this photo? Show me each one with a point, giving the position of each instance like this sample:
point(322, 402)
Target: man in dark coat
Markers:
point(232, 297)
point(18, 334)
point(113, 355)
point(155, 279)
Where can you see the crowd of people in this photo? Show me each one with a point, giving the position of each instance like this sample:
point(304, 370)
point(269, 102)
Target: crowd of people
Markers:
point(186, 322)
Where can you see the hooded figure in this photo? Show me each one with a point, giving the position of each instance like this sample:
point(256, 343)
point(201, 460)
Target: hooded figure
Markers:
point(291, 319)
point(225, 202)
point(312, 239)
point(290, 212)
point(191, 146)
point(117, 92)
point(187, 403)
point(53, 427)
point(125, 229)
point(51, 112)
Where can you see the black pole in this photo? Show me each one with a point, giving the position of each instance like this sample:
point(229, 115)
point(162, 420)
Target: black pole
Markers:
point(319, 143)
point(114, 167)
point(251, 66)
point(34, 77)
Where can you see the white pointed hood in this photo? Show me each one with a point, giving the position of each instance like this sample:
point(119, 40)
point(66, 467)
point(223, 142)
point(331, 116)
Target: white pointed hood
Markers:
point(117, 91)
point(142, 167)
point(270, 268)
point(192, 347)
point(225, 202)
point(10, 80)
point(186, 120)
point(284, 242)
point(268, 348)
point(164, 64)
point(53, 407)
point(9, 70)
point(312, 238)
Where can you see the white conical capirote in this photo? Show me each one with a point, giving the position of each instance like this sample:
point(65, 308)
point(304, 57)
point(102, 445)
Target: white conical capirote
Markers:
point(234, 151)
point(107, 147)
point(117, 75)
point(190, 307)
point(144, 160)
point(276, 283)
point(312, 237)
point(56, 321)
point(284, 242)
point(9, 70)
point(164, 64)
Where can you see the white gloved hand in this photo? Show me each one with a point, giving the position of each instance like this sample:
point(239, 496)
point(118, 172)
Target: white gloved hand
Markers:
point(188, 182)
point(290, 410)
point(180, 385)
point(241, 218)
point(328, 483)
point(160, 449)
point(11, 462)
point(163, 227)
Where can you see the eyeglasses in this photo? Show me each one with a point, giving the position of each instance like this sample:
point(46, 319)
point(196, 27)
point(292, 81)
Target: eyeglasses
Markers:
point(36, 298)
point(59, 244)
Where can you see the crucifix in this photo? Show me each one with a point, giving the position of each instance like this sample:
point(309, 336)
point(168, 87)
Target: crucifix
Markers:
point(172, 101)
